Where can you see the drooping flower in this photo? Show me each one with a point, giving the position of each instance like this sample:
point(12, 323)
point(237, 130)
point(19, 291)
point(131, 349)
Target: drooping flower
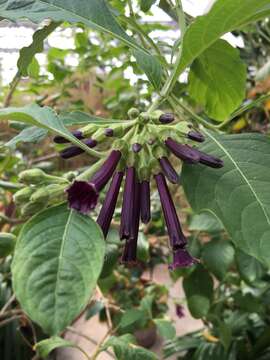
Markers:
point(61, 140)
point(128, 204)
point(182, 258)
point(129, 255)
point(196, 136)
point(106, 213)
point(168, 170)
point(166, 118)
point(177, 238)
point(82, 195)
point(210, 160)
point(145, 201)
point(74, 150)
point(183, 152)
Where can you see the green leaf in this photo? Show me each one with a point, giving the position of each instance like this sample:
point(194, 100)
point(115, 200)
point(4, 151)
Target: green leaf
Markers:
point(218, 255)
point(237, 194)
point(225, 334)
point(124, 348)
point(43, 117)
point(58, 259)
point(205, 222)
point(223, 17)
point(81, 118)
point(250, 269)
point(94, 309)
point(27, 53)
point(165, 328)
point(45, 347)
point(146, 4)
point(33, 69)
point(130, 317)
point(198, 287)
point(31, 134)
point(217, 80)
point(93, 13)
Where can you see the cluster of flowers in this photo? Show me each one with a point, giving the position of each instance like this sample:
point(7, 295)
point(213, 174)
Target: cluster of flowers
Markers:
point(83, 196)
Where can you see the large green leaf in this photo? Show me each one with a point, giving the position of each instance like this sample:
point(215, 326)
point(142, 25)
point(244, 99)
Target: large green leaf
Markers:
point(31, 134)
point(199, 289)
point(43, 117)
point(218, 256)
point(124, 348)
point(223, 17)
point(27, 53)
point(93, 13)
point(58, 259)
point(217, 80)
point(45, 347)
point(238, 193)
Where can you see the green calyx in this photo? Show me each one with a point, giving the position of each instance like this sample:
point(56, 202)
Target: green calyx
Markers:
point(38, 176)
point(32, 208)
point(23, 195)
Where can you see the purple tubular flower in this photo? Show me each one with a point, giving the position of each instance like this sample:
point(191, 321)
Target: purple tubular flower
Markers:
point(108, 132)
point(130, 249)
point(177, 238)
point(183, 152)
point(168, 170)
point(73, 151)
point(82, 195)
point(128, 204)
point(136, 147)
point(145, 201)
point(196, 136)
point(61, 140)
point(210, 160)
point(106, 213)
point(182, 258)
point(166, 118)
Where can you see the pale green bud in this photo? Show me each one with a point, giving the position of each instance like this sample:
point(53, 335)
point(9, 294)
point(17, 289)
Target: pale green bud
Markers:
point(23, 195)
point(133, 113)
point(32, 176)
point(32, 208)
point(40, 196)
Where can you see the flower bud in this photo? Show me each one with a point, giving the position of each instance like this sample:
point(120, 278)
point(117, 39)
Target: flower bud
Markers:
point(32, 208)
point(61, 140)
point(108, 132)
point(196, 136)
point(136, 147)
point(40, 196)
point(7, 244)
point(32, 176)
point(166, 118)
point(133, 113)
point(23, 195)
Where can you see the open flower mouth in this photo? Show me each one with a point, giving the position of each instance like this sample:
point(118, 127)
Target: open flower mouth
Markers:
point(82, 196)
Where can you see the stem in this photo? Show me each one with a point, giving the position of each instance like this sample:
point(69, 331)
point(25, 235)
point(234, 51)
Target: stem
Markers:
point(12, 89)
point(8, 303)
point(7, 321)
point(86, 175)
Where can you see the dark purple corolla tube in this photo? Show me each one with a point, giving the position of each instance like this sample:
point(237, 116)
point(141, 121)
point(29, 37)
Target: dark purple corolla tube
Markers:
point(128, 204)
point(130, 249)
point(145, 201)
point(166, 118)
point(136, 147)
point(106, 213)
point(183, 152)
point(108, 132)
point(168, 170)
point(210, 160)
point(196, 136)
point(73, 151)
point(182, 258)
point(177, 238)
point(61, 140)
point(82, 195)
